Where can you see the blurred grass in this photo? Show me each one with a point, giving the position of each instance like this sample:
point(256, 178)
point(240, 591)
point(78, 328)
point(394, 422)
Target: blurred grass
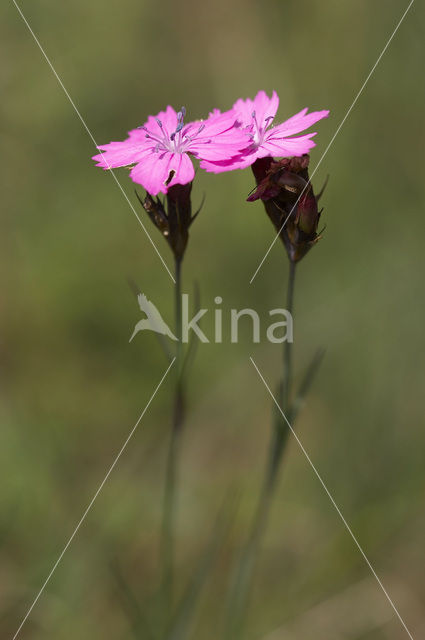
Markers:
point(72, 386)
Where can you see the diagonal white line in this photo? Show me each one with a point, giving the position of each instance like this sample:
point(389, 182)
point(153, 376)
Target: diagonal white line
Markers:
point(319, 477)
point(92, 138)
point(92, 500)
point(334, 136)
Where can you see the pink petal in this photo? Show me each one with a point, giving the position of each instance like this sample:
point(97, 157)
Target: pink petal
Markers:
point(299, 122)
point(217, 167)
point(265, 107)
point(214, 112)
point(262, 105)
point(121, 154)
point(217, 151)
point(214, 125)
point(238, 162)
point(168, 120)
point(154, 171)
point(287, 147)
point(219, 139)
point(183, 167)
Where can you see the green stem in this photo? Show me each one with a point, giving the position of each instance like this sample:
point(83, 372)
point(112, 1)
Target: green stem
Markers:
point(280, 428)
point(178, 315)
point(170, 495)
point(287, 347)
point(239, 589)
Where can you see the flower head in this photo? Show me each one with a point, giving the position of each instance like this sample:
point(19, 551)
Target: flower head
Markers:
point(255, 118)
point(159, 150)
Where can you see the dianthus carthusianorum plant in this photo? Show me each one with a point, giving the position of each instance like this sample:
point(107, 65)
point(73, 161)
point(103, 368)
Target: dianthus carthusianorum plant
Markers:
point(160, 153)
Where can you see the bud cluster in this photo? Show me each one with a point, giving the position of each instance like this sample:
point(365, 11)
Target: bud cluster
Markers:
point(289, 200)
point(174, 220)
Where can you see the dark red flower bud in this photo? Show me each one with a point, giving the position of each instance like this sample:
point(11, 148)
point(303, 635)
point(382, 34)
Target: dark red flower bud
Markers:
point(287, 194)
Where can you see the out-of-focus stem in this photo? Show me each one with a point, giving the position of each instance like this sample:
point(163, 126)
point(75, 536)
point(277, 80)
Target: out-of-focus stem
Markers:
point(280, 428)
point(239, 589)
point(287, 346)
point(171, 479)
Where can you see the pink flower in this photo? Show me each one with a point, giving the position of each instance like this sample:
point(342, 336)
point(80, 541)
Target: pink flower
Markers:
point(159, 149)
point(255, 117)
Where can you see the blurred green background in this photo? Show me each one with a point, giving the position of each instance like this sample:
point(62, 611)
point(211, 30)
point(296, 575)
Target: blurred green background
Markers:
point(73, 387)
